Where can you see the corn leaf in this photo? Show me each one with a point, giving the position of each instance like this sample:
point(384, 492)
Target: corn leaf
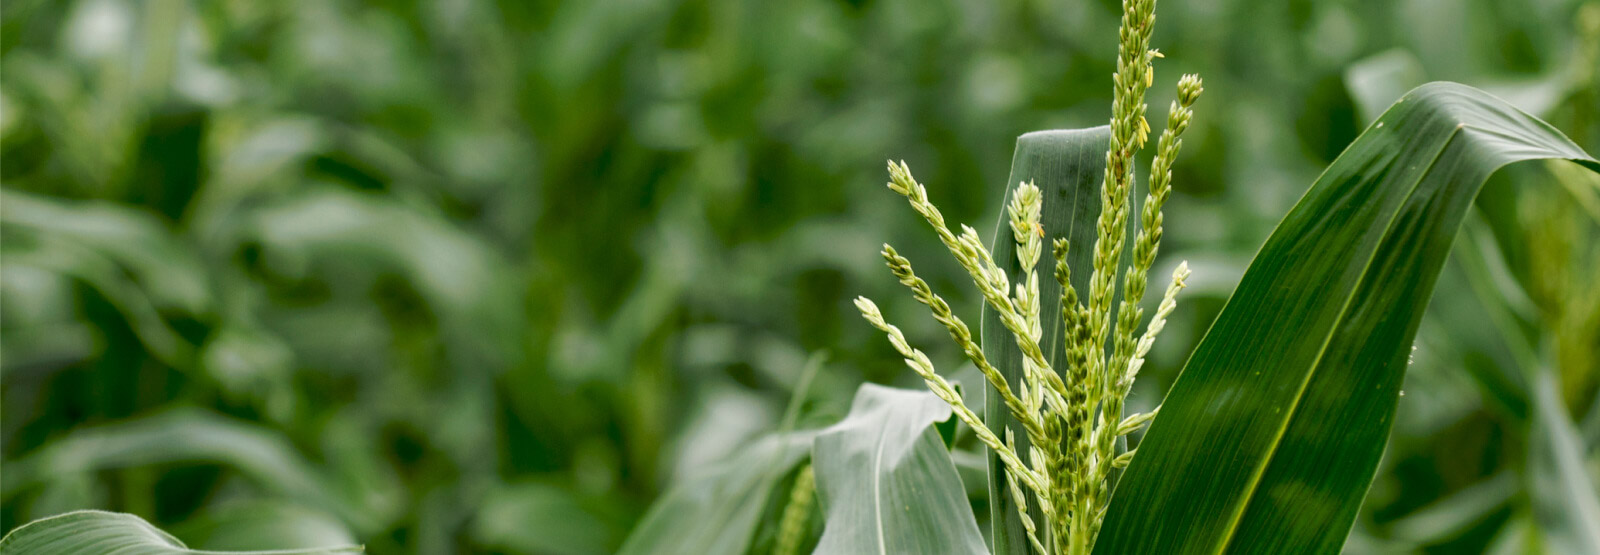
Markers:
point(1566, 504)
point(886, 482)
point(104, 532)
point(718, 510)
point(250, 525)
point(1067, 166)
point(128, 256)
point(264, 456)
point(1271, 435)
point(336, 231)
point(551, 519)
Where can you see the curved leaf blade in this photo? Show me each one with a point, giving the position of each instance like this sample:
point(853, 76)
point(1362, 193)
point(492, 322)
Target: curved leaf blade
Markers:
point(886, 481)
point(105, 532)
point(718, 511)
point(1270, 437)
point(186, 435)
point(260, 524)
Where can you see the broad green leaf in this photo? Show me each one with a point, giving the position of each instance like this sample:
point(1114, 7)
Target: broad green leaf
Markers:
point(1068, 166)
point(137, 241)
point(183, 436)
point(544, 518)
point(54, 255)
point(350, 234)
point(127, 255)
point(82, 532)
point(1486, 322)
point(1450, 515)
point(1517, 537)
point(1270, 437)
point(1377, 81)
point(717, 511)
point(261, 525)
point(1565, 503)
point(886, 481)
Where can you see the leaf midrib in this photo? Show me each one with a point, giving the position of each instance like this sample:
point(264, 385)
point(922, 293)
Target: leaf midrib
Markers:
point(877, 490)
point(1344, 310)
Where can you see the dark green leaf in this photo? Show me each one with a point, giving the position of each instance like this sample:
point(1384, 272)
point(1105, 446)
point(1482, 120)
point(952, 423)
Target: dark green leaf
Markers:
point(1271, 435)
point(886, 481)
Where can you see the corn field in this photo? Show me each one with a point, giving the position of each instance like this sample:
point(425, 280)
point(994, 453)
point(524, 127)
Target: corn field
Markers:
point(631, 277)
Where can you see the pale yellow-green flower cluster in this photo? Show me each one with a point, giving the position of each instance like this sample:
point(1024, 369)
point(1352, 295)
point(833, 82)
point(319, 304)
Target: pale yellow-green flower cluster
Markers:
point(792, 527)
point(1072, 415)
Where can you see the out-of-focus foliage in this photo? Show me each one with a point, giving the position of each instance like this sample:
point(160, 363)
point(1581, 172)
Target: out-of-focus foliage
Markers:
point(91, 531)
point(445, 276)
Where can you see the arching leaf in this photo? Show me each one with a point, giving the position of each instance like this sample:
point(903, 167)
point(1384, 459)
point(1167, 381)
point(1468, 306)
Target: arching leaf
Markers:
point(718, 510)
point(80, 532)
point(1271, 435)
point(886, 481)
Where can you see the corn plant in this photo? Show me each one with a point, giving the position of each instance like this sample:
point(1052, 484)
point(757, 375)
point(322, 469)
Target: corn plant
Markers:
point(1270, 436)
point(1266, 444)
point(1070, 409)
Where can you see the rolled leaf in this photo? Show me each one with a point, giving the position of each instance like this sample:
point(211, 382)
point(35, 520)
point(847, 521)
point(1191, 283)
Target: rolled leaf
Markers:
point(1067, 166)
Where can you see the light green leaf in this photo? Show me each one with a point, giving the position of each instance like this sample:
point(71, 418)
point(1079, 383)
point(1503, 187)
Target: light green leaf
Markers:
point(1067, 166)
point(127, 255)
point(85, 532)
point(542, 518)
point(1453, 514)
point(262, 524)
point(366, 235)
point(163, 264)
point(1565, 503)
point(184, 436)
point(1271, 435)
point(717, 511)
point(1378, 80)
point(886, 481)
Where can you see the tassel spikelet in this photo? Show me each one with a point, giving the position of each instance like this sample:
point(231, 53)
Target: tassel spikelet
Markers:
point(1072, 415)
point(792, 528)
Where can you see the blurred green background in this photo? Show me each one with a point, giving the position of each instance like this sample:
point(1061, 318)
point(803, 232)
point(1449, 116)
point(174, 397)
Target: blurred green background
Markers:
point(450, 276)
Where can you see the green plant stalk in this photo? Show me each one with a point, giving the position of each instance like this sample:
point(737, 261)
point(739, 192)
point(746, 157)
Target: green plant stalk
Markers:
point(1119, 379)
point(1072, 423)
